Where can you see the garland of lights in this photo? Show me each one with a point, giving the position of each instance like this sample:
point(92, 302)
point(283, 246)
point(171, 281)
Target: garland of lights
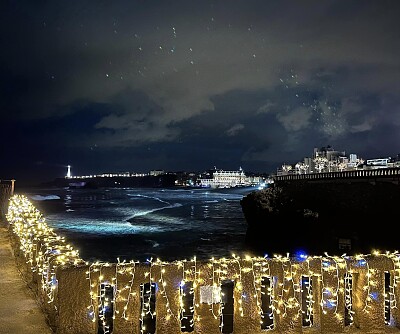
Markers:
point(396, 270)
point(348, 300)
point(102, 300)
point(182, 295)
point(42, 248)
point(163, 292)
point(257, 286)
point(287, 285)
point(239, 285)
point(196, 282)
point(361, 262)
point(131, 268)
point(91, 293)
point(44, 251)
point(260, 270)
point(216, 290)
point(145, 302)
point(329, 296)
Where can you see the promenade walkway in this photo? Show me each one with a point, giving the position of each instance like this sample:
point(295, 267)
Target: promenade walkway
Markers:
point(19, 312)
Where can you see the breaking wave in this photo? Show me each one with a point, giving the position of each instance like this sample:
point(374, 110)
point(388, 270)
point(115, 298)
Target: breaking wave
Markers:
point(44, 198)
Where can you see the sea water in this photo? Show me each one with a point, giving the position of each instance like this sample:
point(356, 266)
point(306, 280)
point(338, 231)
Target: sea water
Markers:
point(138, 224)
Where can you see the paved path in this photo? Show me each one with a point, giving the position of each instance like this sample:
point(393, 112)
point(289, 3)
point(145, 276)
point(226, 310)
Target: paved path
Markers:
point(19, 312)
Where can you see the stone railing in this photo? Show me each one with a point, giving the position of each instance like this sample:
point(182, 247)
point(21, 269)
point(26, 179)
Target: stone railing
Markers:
point(372, 174)
point(307, 294)
point(6, 191)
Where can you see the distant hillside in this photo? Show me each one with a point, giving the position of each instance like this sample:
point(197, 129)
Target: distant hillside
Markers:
point(146, 181)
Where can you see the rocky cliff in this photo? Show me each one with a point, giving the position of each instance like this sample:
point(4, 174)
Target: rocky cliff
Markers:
point(317, 217)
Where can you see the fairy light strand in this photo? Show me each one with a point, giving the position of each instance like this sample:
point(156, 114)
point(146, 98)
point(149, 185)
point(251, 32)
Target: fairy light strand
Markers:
point(44, 252)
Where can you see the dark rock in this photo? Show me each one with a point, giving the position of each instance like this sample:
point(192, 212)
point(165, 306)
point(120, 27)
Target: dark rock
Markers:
point(318, 217)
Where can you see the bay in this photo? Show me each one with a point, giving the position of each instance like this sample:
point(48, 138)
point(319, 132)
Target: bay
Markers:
point(139, 224)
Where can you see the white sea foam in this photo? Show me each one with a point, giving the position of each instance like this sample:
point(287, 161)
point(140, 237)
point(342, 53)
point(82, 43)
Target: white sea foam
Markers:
point(44, 198)
point(233, 199)
point(100, 227)
point(154, 244)
point(167, 223)
point(149, 197)
point(149, 211)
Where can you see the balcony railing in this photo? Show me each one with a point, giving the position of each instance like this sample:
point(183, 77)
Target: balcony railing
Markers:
point(362, 173)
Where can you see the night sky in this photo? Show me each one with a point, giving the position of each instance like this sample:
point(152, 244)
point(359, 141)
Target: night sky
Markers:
point(109, 86)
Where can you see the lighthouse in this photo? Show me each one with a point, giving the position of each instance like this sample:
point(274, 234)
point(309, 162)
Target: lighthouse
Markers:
point(68, 172)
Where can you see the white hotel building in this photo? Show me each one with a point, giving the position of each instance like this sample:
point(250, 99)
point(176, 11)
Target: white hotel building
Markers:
point(229, 179)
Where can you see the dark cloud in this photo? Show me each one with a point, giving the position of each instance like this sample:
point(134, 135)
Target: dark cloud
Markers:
point(251, 83)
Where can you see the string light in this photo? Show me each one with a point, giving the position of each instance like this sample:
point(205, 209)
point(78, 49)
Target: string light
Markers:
point(42, 248)
point(112, 286)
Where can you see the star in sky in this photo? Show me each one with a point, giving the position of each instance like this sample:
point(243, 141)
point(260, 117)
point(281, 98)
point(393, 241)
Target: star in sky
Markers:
point(244, 83)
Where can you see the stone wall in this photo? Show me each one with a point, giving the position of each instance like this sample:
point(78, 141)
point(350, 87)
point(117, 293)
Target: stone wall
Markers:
point(6, 191)
point(345, 294)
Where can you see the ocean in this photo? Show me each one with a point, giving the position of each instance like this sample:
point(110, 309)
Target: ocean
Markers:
point(138, 224)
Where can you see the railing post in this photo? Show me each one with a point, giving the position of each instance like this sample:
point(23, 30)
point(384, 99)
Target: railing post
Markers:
point(288, 317)
point(72, 301)
point(368, 292)
point(168, 277)
point(12, 187)
point(247, 315)
point(203, 309)
point(331, 295)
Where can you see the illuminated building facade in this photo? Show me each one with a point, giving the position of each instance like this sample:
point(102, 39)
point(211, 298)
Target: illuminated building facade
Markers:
point(227, 179)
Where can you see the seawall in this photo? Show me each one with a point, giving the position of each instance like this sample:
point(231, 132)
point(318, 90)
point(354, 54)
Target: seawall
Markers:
point(291, 295)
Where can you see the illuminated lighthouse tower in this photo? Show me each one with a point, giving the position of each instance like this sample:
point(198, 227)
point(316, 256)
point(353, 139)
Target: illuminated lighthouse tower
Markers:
point(68, 172)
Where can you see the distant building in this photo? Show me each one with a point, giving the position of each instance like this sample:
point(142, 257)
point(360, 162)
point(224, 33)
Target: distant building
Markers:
point(156, 172)
point(328, 152)
point(324, 159)
point(353, 158)
point(309, 163)
point(229, 179)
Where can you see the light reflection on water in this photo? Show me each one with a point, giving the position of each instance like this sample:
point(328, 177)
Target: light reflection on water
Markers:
point(137, 223)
